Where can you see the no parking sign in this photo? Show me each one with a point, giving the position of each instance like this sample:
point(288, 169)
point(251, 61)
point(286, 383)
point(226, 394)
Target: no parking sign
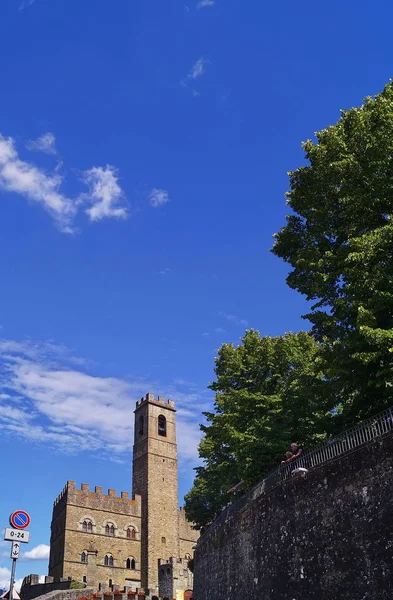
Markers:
point(20, 519)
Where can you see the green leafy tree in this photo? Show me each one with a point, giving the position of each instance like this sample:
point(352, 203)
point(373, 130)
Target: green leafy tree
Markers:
point(339, 242)
point(267, 394)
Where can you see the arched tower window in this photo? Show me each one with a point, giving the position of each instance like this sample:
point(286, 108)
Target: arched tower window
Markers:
point(108, 560)
point(131, 563)
point(162, 425)
point(84, 557)
point(131, 533)
point(141, 425)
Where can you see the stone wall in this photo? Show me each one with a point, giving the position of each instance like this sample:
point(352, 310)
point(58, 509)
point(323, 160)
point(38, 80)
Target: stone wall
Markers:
point(328, 535)
point(155, 479)
point(174, 576)
point(187, 536)
point(68, 540)
point(31, 588)
point(62, 594)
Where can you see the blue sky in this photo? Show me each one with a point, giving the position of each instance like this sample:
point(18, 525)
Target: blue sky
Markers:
point(144, 153)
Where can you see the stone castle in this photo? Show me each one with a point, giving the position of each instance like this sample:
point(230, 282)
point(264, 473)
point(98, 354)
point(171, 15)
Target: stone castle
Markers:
point(144, 542)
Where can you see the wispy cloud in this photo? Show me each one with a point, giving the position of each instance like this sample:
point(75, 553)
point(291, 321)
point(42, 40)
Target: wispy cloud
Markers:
point(28, 180)
point(105, 194)
point(198, 69)
point(204, 3)
point(25, 4)
point(45, 143)
point(219, 330)
point(165, 271)
point(48, 400)
point(233, 319)
point(158, 197)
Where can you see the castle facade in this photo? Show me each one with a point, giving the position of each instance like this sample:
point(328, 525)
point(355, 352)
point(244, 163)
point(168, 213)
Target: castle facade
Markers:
point(105, 540)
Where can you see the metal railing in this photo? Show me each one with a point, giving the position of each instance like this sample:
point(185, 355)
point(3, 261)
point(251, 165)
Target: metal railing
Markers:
point(343, 443)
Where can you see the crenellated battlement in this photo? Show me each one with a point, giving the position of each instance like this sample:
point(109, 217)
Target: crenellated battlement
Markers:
point(158, 401)
point(174, 561)
point(97, 500)
point(85, 489)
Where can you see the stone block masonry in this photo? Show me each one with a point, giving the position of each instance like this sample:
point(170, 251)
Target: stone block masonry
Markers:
point(106, 541)
point(155, 479)
point(95, 525)
point(323, 537)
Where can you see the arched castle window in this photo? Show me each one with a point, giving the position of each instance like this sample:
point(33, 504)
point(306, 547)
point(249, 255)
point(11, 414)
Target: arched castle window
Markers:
point(131, 563)
point(108, 560)
point(131, 533)
point(87, 526)
point(162, 425)
point(110, 529)
point(84, 557)
point(141, 425)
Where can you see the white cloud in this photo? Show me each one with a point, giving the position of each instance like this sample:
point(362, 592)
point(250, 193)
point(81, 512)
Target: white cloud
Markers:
point(40, 552)
point(5, 576)
point(45, 143)
point(165, 271)
point(24, 178)
point(233, 319)
point(73, 411)
point(198, 69)
point(204, 3)
point(158, 197)
point(104, 196)
point(105, 193)
point(219, 330)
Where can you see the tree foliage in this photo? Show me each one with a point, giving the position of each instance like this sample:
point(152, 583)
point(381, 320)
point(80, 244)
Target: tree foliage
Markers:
point(339, 242)
point(300, 387)
point(267, 394)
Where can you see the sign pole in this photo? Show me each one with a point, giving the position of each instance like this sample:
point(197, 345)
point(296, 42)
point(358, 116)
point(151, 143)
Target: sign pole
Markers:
point(16, 534)
point(11, 596)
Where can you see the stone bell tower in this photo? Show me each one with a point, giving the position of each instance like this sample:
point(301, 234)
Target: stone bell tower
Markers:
point(155, 479)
